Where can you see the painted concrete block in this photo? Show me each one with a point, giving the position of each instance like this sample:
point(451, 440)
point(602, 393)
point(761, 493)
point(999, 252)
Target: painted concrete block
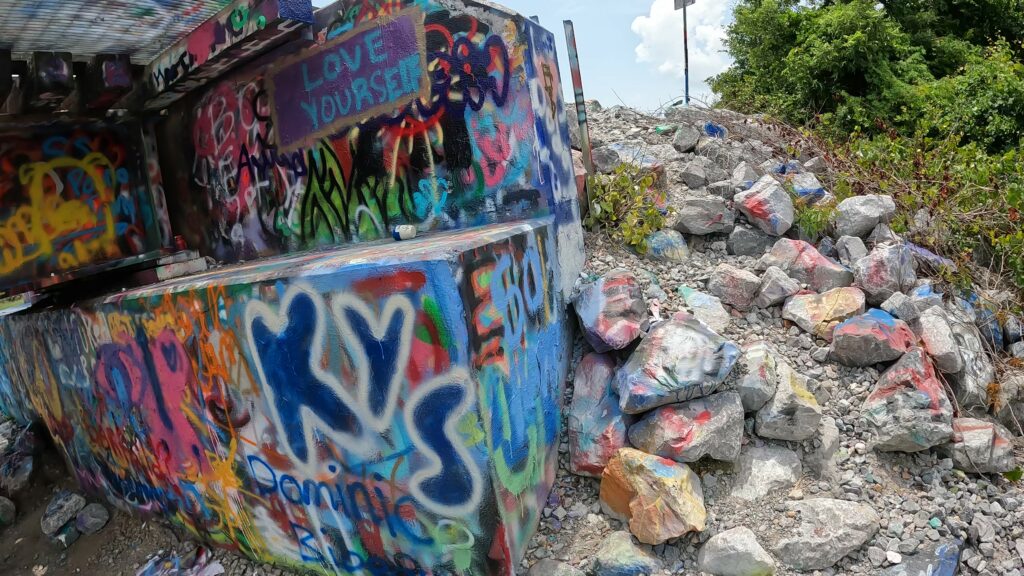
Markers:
point(107, 78)
point(392, 408)
point(50, 80)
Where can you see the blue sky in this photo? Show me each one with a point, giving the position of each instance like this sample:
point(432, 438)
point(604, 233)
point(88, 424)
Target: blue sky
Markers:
point(631, 51)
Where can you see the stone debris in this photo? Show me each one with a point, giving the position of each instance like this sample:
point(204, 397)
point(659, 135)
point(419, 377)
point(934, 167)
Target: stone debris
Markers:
point(18, 461)
point(827, 530)
point(92, 518)
point(767, 205)
point(908, 410)
point(606, 159)
point(686, 137)
point(659, 498)
point(734, 286)
point(902, 306)
point(761, 470)
point(776, 286)
point(886, 270)
point(667, 246)
point(612, 311)
point(747, 241)
point(735, 552)
point(702, 215)
point(980, 447)
point(8, 512)
point(870, 338)
point(619, 556)
point(1008, 404)
point(971, 385)
point(548, 567)
point(679, 360)
point(937, 338)
point(859, 215)
point(793, 413)
point(758, 385)
point(62, 508)
point(694, 175)
point(198, 562)
point(819, 314)
point(686, 432)
point(596, 428)
point(802, 262)
point(816, 165)
point(822, 461)
point(744, 176)
point(706, 308)
point(850, 250)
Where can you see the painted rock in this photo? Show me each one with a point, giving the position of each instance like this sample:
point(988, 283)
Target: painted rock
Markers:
point(619, 556)
point(612, 311)
point(930, 260)
point(767, 205)
point(734, 286)
point(744, 176)
point(776, 286)
point(819, 314)
point(850, 249)
point(706, 308)
point(686, 432)
point(925, 296)
point(808, 188)
point(908, 410)
point(746, 241)
point(886, 270)
point(62, 507)
point(902, 306)
point(92, 519)
point(65, 536)
point(596, 426)
point(667, 246)
point(1013, 330)
point(702, 215)
point(971, 385)
point(990, 328)
point(980, 447)
point(937, 338)
point(1008, 403)
point(735, 552)
point(679, 360)
point(659, 498)
point(548, 567)
point(759, 382)
point(859, 215)
point(793, 414)
point(940, 559)
point(871, 338)
point(827, 531)
point(764, 469)
point(803, 263)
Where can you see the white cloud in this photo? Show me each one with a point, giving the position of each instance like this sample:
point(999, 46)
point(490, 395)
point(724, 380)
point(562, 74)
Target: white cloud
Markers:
point(661, 41)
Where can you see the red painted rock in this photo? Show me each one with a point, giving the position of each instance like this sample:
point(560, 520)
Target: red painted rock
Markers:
point(596, 426)
point(803, 263)
point(908, 410)
point(760, 381)
point(767, 205)
point(734, 286)
point(980, 447)
point(612, 311)
point(686, 432)
point(819, 314)
point(888, 269)
point(659, 498)
point(871, 338)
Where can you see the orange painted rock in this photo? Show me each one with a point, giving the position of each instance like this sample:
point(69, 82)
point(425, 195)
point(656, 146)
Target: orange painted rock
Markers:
point(659, 498)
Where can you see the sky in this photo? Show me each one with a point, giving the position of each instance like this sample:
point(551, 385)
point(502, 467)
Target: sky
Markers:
point(631, 51)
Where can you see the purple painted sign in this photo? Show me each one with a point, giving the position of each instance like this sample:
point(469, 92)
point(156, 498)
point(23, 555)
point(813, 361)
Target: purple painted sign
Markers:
point(372, 70)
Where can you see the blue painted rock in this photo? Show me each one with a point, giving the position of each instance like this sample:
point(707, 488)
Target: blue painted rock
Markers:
point(62, 508)
point(596, 425)
point(871, 338)
point(802, 262)
point(706, 308)
point(667, 246)
point(65, 536)
point(888, 269)
point(808, 188)
point(819, 314)
point(92, 518)
point(980, 447)
point(941, 559)
point(908, 410)
point(686, 432)
point(679, 360)
point(793, 414)
point(619, 556)
point(612, 311)
point(926, 257)
point(659, 498)
point(767, 205)
point(1013, 330)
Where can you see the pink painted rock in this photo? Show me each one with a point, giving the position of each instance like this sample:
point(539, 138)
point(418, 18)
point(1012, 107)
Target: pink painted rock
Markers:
point(888, 269)
point(659, 498)
point(612, 311)
point(980, 447)
point(908, 410)
point(767, 205)
point(803, 263)
point(596, 425)
point(734, 286)
point(819, 314)
point(871, 338)
point(710, 426)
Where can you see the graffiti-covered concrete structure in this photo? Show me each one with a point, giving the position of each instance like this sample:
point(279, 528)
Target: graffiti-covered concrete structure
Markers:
point(329, 399)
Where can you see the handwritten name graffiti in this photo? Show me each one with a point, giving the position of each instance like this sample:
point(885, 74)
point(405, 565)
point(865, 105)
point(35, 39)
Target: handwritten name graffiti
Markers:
point(372, 70)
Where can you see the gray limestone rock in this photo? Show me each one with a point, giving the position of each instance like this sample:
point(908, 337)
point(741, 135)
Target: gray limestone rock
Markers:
point(762, 469)
point(701, 215)
point(734, 286)
point(758, 385)
point(850, 249)
point(548, 567)
point(747, 241)
point(685, 138)
point(980, 447)
point(735, 552)
point(937, 336)
point(859, 215)
point(694, 175)
point(768, 206)
point(776, 286)
point(793, 414)
point(901, 306)
point(827, 531)
point(92, 519)
point(888, 269)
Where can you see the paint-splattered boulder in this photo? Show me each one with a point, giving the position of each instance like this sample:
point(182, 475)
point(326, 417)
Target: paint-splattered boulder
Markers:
point(659, 498)
point(859, 215)
point(939, 559)
point(702, 215)
point(827, 531)
point(92, 518)
point(62, 507)
point(548, 567)
point(886, 270)
point(971, 385)
point(747, 241)
point(758, 385)
point(819, 314)
point(937, 338)
point(980, 447)
point(681, 359)
point(901, 306)
point(871, 338)
point(686, 432)
point(802, 262)
point(64, 537)
point(793, 414)
point(620, 556)
point(667, 246)
point(850, 250)
point(734, 286)
point(809, 189)
point(17, 463)
point(907, 410)
point(706, 308)
point(596, 425)
point(767, 205)
point(776, 286)
point(735, 552)
point(925, 296)
point(612, 311)
point(761, 470)
point(927, 259)
point(744, 176)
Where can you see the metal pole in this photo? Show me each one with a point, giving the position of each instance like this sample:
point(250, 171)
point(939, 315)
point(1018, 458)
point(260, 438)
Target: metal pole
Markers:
point(581, 105)
point(686, 55)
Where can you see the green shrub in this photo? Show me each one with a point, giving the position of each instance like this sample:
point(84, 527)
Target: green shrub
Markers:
point(622, 205)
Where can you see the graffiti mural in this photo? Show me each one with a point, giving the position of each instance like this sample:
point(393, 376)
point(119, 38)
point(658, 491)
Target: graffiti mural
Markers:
point(70, 198)
point(318, 411)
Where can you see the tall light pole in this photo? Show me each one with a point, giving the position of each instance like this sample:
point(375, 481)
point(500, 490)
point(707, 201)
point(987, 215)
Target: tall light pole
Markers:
point(681, 5)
